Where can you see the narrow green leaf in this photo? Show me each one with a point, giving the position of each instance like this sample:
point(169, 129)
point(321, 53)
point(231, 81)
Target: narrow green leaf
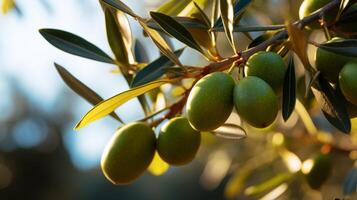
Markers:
point(239, 7)
point(251, 28)
point(119, 36)
point(81, 89)
point(258, 40)
point(332, 104)
point(346, 47)
point(227, 16)
point(202, 14)
point(268, 185)
point(215, 12)
point(120, 6)
point(187, 22)
point(289, 90)
point(154, 70)
point(194, 23)
point(176, 30)
point(160, 43)
point(75, 45)
point(107, 106)
point(140, 53)
point(173, 7)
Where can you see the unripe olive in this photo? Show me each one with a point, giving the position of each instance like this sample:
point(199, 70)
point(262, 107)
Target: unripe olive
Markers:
point(329, 63)
point(268, 66)
point(178, 142)
point(128, 153)
point(320, 171)
point(255, 101)
point(348, 82)
point(210, 101)
point(309, 6)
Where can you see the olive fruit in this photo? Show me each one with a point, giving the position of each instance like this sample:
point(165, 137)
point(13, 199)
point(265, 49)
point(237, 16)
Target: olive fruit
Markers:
point(268, 66)
point(329, 63)
point(319, 171)
point(309, 6)
point(128, 153)
point(255, 101)
point(210, 101)
point(178, 142)
point(348, 82)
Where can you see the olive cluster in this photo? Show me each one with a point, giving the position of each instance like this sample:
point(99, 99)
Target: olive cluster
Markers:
point(133, 146)
point(212, 99)
point(210, 102)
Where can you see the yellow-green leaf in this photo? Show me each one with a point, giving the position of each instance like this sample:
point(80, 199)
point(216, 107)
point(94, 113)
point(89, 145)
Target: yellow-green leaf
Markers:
point(173, 7)
point(119, 35)
point(107, 106)
point(227, 16)
point(158, 167)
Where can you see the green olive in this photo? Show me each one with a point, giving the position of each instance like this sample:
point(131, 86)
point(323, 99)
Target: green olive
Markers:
point(128, 153)
point(178, 142)
point(268, 66)
point(255, 101)
point(329, 63)
point(348, 82)
point(210, 101)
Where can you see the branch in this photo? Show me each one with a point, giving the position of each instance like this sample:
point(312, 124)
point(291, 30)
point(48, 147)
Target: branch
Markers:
point(284, 33)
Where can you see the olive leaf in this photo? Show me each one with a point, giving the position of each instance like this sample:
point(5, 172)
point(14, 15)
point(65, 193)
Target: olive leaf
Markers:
point(239, 7)
point(227, 16)
point(202, 14)
point(346, 47)
point(120, 6)
point(268, 184)
point(81, 89)
point(173, 7)
point(194, 23)
point(107, 106)
point(176, 30)
point(160, 43)
point(119, 36)
point(332, 104)
point(230, 131)
point(140, 53)
point(154, 70)
point(252, 28)
point(75, 45)
point(299, 44)
point(260, 39)
point(187, 22)
point(289, 90)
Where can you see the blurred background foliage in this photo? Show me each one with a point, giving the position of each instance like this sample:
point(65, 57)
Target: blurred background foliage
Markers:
point(41, 157)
